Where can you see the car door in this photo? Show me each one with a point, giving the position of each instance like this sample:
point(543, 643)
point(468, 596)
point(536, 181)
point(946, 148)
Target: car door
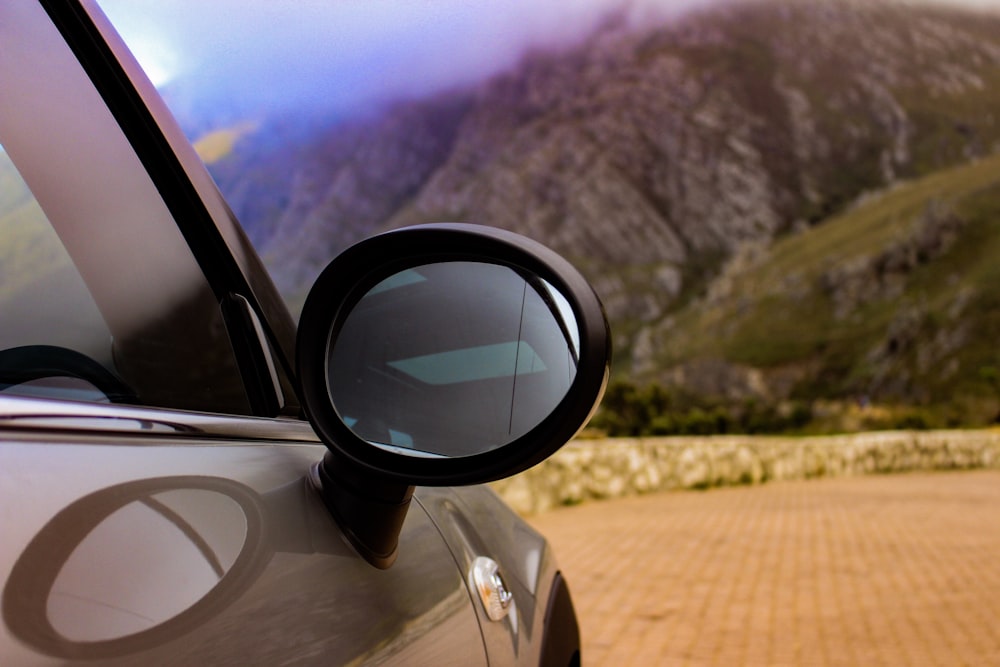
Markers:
point(156, 494)
point(152, 540)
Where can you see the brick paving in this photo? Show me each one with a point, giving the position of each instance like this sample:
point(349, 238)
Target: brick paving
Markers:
point(889, 570)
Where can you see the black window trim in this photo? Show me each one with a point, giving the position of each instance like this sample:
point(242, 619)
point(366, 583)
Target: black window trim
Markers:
point(179, 194)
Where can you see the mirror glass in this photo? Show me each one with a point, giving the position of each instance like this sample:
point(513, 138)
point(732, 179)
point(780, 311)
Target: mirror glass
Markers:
point(453, 359)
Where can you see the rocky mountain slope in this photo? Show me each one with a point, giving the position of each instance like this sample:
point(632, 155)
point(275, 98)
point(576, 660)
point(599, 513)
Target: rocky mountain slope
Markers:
point(649, 155)
point(894, 302)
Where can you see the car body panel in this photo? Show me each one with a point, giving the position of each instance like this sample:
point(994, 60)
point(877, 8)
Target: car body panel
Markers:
point(475, 522)
point(285, 585)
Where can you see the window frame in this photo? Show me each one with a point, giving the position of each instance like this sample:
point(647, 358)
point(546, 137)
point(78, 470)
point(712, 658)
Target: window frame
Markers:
point(259, 325)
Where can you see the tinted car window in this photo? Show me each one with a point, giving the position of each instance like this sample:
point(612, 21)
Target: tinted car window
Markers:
point(42, 296)
point(98, 282)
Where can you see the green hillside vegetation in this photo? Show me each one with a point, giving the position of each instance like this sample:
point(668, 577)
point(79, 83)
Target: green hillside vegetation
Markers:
point(893, 302)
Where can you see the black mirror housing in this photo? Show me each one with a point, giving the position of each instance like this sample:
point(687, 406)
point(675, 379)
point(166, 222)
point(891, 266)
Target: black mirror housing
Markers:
point(444, 354)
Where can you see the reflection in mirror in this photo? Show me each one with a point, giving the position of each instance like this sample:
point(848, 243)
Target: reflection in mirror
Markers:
point(114, 585)
point(453, 358)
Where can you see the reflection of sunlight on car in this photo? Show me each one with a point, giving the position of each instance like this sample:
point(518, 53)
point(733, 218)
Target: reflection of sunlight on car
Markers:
point(70, 388)
point(408, 450)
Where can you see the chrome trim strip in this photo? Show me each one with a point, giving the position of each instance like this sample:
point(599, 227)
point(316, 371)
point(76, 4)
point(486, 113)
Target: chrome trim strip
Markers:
point(265, 348)
point(17, 412)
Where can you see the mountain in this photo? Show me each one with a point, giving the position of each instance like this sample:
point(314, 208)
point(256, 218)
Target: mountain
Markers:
point(894, 301)
point(654, 157)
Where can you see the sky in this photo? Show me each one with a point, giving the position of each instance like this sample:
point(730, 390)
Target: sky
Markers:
point(272, 54)
point(361, 50)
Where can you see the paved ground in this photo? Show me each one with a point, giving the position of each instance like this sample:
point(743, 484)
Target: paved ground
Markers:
point(896, 570)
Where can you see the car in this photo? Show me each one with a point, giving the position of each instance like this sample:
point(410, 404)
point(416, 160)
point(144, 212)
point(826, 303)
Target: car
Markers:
point(189, 477)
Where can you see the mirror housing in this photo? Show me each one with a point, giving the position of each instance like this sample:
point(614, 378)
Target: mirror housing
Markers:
point(439, 355)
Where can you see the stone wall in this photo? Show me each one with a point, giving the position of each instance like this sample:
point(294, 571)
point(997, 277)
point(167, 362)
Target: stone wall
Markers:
point(597, 469)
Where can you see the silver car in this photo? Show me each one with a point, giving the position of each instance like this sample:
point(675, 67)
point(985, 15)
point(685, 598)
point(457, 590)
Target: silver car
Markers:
point(186, 477)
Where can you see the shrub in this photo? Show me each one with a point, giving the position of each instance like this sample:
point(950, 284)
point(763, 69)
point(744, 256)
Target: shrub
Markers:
point(631, 411)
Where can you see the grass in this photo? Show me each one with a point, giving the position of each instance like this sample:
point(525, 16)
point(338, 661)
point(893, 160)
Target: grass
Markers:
point(781, 310)
point(871, 225)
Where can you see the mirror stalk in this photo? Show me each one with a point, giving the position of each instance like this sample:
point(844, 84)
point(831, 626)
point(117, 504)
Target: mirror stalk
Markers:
point(369, 508)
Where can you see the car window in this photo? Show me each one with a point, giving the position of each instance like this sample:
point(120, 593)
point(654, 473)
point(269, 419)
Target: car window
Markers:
point(100, 296)
point(42, 297)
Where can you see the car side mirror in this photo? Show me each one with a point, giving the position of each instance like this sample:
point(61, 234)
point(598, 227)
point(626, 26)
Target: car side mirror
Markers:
point(444, 354)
